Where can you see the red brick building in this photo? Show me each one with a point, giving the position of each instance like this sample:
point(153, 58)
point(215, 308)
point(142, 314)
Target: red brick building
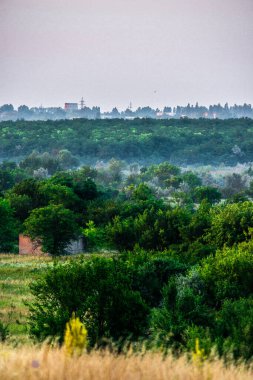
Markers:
point(29, 247)
point(33, 247)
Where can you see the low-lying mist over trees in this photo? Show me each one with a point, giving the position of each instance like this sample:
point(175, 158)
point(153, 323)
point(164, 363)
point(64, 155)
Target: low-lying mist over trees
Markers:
point(164, 209)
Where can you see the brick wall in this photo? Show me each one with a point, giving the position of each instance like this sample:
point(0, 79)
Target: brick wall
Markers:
point(29, 247)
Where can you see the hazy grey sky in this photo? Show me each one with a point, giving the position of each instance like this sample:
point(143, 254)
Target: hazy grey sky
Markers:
point(111, 52)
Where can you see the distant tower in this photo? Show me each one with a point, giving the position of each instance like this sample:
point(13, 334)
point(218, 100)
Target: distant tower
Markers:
point(82, 104)
point(130, 106)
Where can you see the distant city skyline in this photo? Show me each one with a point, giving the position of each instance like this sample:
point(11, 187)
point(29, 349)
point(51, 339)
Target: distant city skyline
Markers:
point(152, 53)
point(73, 110)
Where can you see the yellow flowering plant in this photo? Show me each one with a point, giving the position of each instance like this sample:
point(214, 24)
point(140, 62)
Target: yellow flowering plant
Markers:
point(75, 337)
point(198, 356)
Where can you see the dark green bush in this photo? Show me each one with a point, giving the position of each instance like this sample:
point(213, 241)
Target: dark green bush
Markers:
point(234, 328)
point(98, 290)
point(4, 332)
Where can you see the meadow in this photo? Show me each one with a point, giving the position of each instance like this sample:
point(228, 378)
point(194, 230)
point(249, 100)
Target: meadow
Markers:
point(16, 273)
point(32, 363)
point(20, 358)
point(176, 268)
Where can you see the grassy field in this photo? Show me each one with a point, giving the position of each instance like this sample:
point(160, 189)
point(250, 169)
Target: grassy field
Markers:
point(54, 364)
point(26, 361)
point(16, 272)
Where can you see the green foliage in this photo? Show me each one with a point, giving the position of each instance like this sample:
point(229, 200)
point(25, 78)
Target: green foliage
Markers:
point(192, 333)
point(35, 161)
point(181, 141)
point(94, 236)
point(152, 296)
point(152, 229)
point(235, 328)
point(142, 192)
point(210, 194)
point(100, 293)
point(21, 204)
point(187, 275)
point(191, 179)
point(228, 274)
point(25, 196)
point(230, 223)
point(200, 222)
point(59, 194)
point(4, 332)
point(54, 226)
point(8, 228)
point(121, 233)
point(79, 181)
point(10, 174)
point(61, 161)
point(183, 306)
point(163, 172)
point(151, 273)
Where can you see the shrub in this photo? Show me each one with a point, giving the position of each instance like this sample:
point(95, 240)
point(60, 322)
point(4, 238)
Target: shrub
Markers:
point(4, 332)
point(228, 274)
point(234, 329)
point(75, 337)
point(8, 228)
point(230, 224)
point(100, 293)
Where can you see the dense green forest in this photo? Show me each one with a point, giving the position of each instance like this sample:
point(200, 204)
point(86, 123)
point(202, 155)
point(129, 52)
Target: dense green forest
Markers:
point(172, 255)
point(184, 141)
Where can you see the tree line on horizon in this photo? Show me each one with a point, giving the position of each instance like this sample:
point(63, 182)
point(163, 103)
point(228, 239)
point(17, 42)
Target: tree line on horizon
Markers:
point(8, 112)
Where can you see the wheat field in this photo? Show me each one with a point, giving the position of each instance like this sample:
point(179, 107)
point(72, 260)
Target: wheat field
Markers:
point(31, 363)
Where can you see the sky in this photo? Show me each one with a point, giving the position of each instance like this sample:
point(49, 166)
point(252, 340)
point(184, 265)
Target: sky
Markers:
point(113, 52)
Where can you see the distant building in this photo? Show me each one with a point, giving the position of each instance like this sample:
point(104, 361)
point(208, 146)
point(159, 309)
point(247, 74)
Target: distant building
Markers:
point(71, 106)
point(29, 247)
point(33, 247)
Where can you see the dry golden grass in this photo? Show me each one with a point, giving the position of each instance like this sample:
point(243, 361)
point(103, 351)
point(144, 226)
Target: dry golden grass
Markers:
point(44, 363)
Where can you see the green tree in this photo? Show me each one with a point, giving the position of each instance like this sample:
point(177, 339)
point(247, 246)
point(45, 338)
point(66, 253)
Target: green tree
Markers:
point(143, 193)
point(228, 274)
point(8, 228)
point(59, 194)
point(234, 328)
point(230, 224)
point(211, 194)
point(163, 172)
point(66, 159)
point(54, 226)
point(183, 305)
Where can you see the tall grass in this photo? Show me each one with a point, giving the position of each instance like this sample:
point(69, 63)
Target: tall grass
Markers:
point(16, 273)
point(45, 363)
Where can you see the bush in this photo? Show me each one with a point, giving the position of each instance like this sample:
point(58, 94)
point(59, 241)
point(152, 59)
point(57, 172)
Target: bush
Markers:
point(99, 292)
point(230, 224)
point(234, 329)
point(228, 274)
point(151, 274)
point(183, 305)
point(4, 332)
point(8, 228)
